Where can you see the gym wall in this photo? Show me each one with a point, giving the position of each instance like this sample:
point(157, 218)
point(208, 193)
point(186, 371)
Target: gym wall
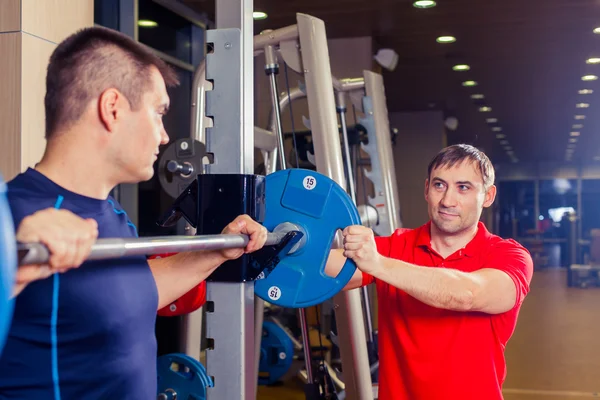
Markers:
point(421, 135)
point(29, 32)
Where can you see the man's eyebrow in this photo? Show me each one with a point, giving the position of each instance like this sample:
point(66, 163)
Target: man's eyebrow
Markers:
point(464, 183)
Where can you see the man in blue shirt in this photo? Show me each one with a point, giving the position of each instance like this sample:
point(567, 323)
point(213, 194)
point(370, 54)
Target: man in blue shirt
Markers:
point(88, 332)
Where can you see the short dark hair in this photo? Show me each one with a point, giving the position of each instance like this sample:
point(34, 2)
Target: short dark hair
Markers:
point(91, 61)
point(455, 154)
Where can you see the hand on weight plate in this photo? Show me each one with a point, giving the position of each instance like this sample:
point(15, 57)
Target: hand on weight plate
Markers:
point(69, 239)
point(359, 245)
point(245, 225)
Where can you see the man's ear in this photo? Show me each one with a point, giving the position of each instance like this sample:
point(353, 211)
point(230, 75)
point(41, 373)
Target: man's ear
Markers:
point(426, 189)
point(490, 196)
point(109, 103)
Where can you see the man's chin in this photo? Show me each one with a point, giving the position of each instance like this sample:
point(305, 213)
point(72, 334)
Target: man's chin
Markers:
point(140, 176)
point(447, 227)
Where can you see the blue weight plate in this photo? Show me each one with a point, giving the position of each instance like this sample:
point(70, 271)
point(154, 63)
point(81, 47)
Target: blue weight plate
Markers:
point(276, 354)
point(189, 381)
point(320, 206)
point(8, 264)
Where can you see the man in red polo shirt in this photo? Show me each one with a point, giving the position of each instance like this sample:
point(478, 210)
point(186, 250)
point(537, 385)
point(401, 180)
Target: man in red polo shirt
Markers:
point(449, 292)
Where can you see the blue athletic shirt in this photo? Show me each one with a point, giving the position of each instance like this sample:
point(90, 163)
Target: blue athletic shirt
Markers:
point(87, 333)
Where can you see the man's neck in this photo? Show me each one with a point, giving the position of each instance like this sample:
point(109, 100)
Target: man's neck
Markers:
point(446, 244)
point(77, 167)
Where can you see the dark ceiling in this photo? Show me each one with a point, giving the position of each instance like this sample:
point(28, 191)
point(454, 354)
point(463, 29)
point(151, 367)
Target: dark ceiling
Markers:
point(528, 57)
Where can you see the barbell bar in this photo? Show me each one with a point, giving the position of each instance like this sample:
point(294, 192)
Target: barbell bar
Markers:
point(38, 253)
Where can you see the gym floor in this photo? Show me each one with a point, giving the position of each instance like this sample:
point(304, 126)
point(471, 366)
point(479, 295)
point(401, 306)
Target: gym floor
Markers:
point(554, 353)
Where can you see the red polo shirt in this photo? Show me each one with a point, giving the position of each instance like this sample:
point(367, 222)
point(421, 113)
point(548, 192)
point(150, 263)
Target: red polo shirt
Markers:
point(428, 353)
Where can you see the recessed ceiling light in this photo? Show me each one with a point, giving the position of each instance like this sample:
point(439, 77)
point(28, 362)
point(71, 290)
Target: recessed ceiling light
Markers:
point(485, 109)
point(575, 133)
point(461, 67)
point(573, 140)
point(580, 117)
point(259, 15)
point(597, 31)
point(469, 83)
point(514, 160)
point(510, 152)
point(446, 39)
point(492, 120)
point(477, 96)
point(586, 91)
point(500, 136)
point(597, 158)
point(424, 4)
point(496, 129)
point(593, 60)
point(504, 142)
point(508, 148)
point(146, 23)
point(578, 126)
point(571, 146)
point(582, 105)
point(589, 78)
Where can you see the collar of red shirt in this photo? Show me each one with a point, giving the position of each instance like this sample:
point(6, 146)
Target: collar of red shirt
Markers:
point(472, 248)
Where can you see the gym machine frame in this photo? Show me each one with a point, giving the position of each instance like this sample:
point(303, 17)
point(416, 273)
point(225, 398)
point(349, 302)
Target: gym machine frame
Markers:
point(232, 111)
point(324, 119)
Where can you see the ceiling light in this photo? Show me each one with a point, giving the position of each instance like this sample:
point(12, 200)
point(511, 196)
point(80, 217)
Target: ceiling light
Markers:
point(477, 96)
point(461, 67)
point(485, 109)
point(589, 78)
point(510, 152)
point(578, 126)
point(504, 142)
point(593, 60)
point(259, 15)
point(582, 105)
point(496, 129)
point(469, 83)
point(508, 148)
point(146, 23)
point(500, 136)
point(571, 146)
point(515, 160)
point(575, 133)
point(424, 4)
point(597, 31)
point(573, 140)
point(586, 91)
point(580, 117)
point(446, 39)
point(597, 158)
point(491, 120)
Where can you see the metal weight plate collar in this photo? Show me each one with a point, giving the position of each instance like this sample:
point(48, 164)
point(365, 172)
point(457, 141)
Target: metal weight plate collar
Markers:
point(320, 207)
point(179, 165)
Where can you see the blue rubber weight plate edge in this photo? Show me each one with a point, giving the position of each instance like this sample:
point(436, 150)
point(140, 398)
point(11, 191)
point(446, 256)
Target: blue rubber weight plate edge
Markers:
point(278, 182)
point(8, 264)
point(288, 346)
point(196, 368)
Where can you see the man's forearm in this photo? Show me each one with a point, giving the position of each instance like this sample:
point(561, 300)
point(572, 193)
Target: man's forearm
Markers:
point(178, 274)
point(438, 287)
